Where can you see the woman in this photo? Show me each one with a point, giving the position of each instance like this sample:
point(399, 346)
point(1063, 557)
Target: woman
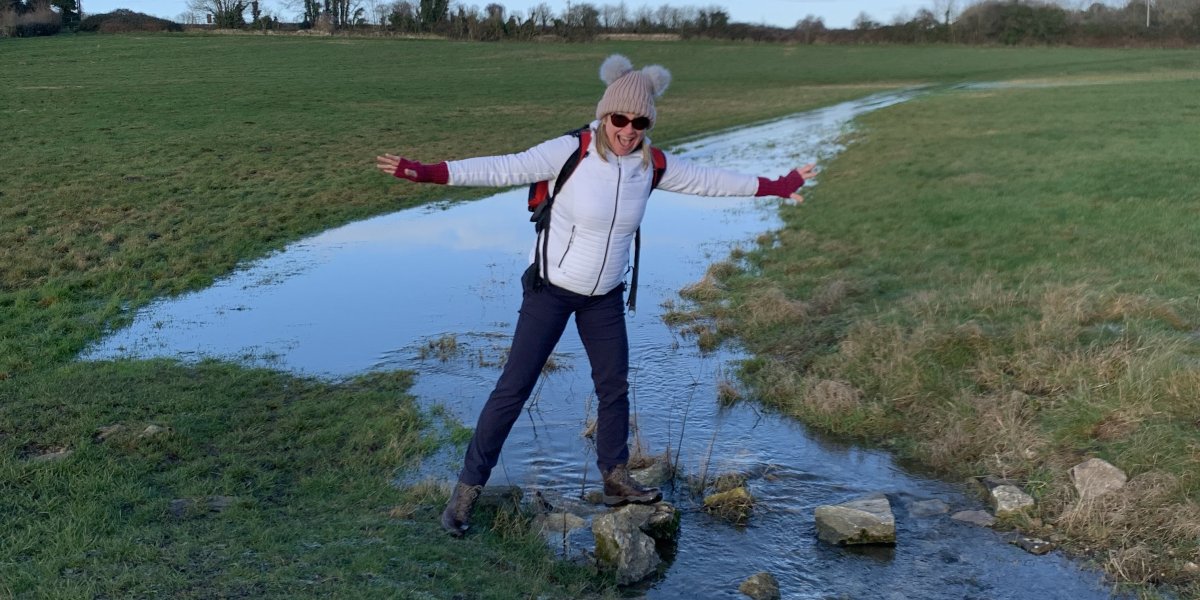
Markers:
point(584, 256)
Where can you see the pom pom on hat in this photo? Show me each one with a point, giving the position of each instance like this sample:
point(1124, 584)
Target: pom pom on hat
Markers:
point(631, 91)
point(613, 68)
point(659, 78)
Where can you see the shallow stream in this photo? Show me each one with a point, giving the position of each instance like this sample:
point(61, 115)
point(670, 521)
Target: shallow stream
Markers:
point(381, 294)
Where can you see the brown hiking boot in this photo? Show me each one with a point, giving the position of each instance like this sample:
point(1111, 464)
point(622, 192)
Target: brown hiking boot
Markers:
point(456, 519)
point(621, 489)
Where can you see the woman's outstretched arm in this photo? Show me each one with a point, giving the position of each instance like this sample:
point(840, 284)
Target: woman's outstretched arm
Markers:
point(539, 163)
point(687, 177)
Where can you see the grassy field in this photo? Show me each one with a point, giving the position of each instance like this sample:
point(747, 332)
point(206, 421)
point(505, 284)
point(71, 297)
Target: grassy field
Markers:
point(1002, 282)
point(139, 166)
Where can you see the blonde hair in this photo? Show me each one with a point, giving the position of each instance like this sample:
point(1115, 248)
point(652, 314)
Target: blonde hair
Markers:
point(602, 147)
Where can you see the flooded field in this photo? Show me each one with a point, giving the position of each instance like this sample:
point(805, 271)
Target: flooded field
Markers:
point(435, 290)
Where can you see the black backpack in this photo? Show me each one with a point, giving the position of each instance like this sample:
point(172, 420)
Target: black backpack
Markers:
point(541, 199)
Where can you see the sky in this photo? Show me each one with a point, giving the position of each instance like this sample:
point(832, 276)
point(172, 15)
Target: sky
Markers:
point(780, 13)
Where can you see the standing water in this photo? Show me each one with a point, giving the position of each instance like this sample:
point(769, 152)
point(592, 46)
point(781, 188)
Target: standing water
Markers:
point(436, 290)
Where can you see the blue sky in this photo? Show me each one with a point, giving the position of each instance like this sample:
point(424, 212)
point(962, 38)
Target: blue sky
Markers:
point(783, 13)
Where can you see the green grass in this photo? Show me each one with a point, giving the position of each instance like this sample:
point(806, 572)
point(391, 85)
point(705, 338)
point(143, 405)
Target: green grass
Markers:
point(134, 167)
point(304, 466)
point(1006, 281)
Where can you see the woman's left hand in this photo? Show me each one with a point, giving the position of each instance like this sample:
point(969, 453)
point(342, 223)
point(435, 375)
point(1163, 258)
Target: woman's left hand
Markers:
point(807, 172)
point(787, 186)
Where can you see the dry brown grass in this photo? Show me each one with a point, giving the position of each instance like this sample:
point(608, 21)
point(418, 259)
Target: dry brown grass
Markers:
point(710, 287)
point(832, 398)
point(1136, 526)
point(1117, 425)
point(727, 393)
point(768, 306)
point(707, 289)
point(996, 434)
point(829, 297)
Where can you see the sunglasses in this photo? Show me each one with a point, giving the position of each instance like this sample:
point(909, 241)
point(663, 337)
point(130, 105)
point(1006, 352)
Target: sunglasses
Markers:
point(620, 121)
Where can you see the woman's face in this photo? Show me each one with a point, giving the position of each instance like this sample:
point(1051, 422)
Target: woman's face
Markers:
point(626, 139)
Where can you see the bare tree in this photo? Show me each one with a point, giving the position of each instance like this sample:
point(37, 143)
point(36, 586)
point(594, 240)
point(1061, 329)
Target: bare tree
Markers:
point(809, 28)
point(622, 15)
point(432, 12)
point(228, 14)
point(947, 10)
point(608, 16)
point(662, 15)
point(864, 22)
point(403, 16)
point(686, 16)
point(542, 15)
point(713, 19)
point(495, 12)
point(379, 12)
point(925, 19)
point(643, 18)
point(582, 19)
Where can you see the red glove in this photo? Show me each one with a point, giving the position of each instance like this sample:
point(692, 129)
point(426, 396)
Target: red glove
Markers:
point(783, 187)
point(421, 173)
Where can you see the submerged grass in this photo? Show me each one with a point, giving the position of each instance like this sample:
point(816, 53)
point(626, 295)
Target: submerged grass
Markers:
point(140, 166)
point(1002, 282)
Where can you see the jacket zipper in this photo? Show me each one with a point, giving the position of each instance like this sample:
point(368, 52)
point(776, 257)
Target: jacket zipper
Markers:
point(611, 227)
point(569, 242)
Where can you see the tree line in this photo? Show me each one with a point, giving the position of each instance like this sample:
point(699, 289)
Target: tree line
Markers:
point(1013, 22)
point(942, 21)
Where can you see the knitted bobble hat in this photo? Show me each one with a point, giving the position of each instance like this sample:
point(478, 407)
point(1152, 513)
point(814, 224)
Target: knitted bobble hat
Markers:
point(631, 91)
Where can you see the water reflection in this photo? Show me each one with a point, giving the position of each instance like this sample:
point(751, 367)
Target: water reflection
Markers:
point(382, 294)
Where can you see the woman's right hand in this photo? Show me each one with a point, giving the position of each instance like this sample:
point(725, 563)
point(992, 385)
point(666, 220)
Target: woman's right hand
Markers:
point(388, 164)
point(412, 170)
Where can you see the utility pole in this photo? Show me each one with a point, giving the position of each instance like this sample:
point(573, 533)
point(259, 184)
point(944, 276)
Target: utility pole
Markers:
point(1147, 14)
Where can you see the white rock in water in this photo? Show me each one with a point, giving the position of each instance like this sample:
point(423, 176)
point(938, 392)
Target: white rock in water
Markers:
point(1094, 478)
point(865, 521)
point(622, 546)
point(1009, 500)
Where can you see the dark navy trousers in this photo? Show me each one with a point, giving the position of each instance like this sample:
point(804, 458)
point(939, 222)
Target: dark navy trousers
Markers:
point(543, 317)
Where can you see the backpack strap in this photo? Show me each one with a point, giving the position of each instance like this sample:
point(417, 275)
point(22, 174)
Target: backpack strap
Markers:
point(660, 167)
point(541, 199)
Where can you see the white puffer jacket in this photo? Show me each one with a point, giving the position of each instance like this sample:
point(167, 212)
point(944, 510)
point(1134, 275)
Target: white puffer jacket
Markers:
point(599, 207)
